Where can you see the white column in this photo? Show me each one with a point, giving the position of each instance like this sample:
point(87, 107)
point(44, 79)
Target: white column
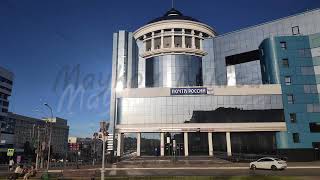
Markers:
point(193, 40)
point(210, 144)
point(186, 145)
point(152, 41)
point(119, 144)
point(228, 144)
point(201, 41)
point(162, 33)
point(162, 144)
point(145, 43)
point(172, 39)
point(138, 144)
point(183, 39)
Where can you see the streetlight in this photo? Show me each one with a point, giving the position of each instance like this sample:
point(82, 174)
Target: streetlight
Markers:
point(102, 136)
point(50, 134)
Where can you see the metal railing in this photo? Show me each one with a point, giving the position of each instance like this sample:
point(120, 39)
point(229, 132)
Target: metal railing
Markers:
point(62, 165)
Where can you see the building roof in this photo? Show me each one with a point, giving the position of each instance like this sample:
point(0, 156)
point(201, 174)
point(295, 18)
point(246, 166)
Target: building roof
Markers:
point(173, 14)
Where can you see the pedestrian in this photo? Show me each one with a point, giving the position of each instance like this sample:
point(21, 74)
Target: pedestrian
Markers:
point(31, 173)
point(11, 163)
point(18, 172)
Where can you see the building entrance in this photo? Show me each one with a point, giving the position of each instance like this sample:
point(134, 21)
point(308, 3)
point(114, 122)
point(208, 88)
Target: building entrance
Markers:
point(174, 145)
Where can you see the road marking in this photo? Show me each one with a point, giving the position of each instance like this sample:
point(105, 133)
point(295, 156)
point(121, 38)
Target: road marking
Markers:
point(177, 168)
point(304, 167)
point(181, 168)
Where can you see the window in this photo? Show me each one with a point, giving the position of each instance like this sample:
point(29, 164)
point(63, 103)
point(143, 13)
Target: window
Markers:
point(287, 80)
point(293, 117)
point(313, 107)
point(310, 89)
point(314, 127)
point(157, 43)
point(265, 160)
point(5, 104)
point(167, 42)
point(2, 79)
point(148, 45)
point(197, 43)
point(307, 70)
point(285, 62)
point(283, 45)
point(188, 40)
point(304, 53)
point(242, 57)
point(295, 137)
point(178, 41)
point(290, 99)
point(295, 30)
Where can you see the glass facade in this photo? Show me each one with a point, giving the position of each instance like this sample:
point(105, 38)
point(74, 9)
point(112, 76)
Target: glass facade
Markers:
point(230, 59)
point(249, 39)
point(198, 143)
point(257, 143)
point(150, 144)
point(174, 71)
point(248, 73)
point(129, 143)
point(168, 110)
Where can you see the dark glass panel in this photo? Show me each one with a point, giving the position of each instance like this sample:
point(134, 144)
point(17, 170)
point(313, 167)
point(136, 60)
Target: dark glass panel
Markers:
point(150, 144)
point(198, 143)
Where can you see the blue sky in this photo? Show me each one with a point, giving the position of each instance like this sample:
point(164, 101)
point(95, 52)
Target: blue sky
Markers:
point(54, 46)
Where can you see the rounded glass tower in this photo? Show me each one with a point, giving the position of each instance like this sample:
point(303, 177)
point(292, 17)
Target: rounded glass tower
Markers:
point(173, 50)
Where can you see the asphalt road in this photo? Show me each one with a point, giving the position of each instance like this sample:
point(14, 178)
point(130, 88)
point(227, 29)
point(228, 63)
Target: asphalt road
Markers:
point(314, 173)
point(294, 169)
point(213, 172)
point(194, 171)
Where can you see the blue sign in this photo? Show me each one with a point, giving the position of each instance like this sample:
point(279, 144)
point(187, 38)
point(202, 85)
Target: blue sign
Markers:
point(188, 91)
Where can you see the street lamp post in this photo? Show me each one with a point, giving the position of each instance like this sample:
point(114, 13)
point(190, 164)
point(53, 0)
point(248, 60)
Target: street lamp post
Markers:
point(102, 136)
point(50, 135)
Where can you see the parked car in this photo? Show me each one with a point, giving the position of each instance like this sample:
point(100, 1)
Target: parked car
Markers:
point(268, 163)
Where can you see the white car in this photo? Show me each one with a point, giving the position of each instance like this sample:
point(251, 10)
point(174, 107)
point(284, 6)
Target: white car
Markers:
point(268, 163)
